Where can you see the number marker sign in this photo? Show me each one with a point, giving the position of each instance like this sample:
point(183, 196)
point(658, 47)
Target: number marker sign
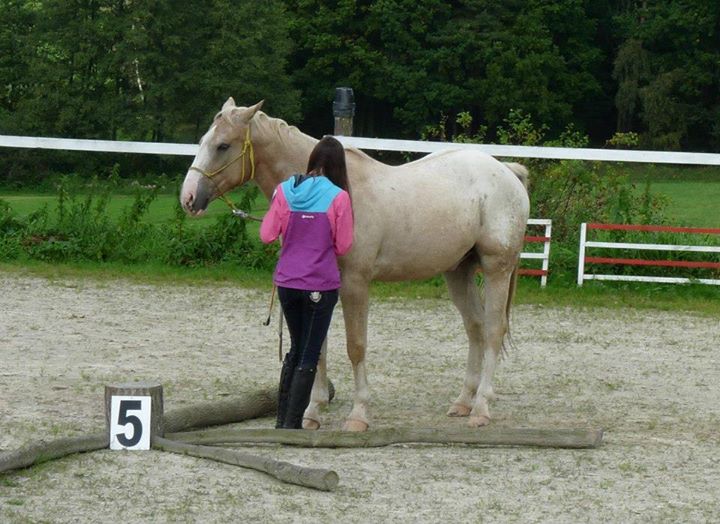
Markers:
point(130, 423)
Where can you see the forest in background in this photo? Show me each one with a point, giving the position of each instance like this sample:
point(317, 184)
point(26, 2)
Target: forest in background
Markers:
point(627, 73)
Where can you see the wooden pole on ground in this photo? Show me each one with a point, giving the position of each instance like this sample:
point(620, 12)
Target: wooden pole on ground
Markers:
point(322, 479)
point(252, 405)
point(490, 436)
point(42, 451)
point(227, 411)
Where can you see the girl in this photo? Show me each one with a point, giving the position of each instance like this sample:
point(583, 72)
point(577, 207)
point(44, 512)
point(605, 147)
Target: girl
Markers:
point(313, 213)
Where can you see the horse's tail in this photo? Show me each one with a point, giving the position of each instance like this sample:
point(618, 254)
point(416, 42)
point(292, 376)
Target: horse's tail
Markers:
point(508, 307)
point(523, 175)
point(521, 172)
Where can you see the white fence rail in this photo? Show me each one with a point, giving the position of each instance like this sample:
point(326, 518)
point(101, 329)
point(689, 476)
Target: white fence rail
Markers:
point(558, 153)
point(380, 144)
point(584, 260)
point(98, 146)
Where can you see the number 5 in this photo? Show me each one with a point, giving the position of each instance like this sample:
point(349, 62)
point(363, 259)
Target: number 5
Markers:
point(124, 418)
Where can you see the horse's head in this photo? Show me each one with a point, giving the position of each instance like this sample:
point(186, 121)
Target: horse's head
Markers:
point(224, 159)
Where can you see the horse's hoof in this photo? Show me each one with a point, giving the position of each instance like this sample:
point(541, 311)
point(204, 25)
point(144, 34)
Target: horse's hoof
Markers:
point(310, 424)
point(478, 421)
point(458, 410)
point(355, 425)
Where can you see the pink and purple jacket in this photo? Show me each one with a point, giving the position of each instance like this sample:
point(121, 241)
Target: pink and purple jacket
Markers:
point(315, 220)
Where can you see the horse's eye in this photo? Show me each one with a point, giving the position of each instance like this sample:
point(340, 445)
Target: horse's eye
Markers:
point(223, 147)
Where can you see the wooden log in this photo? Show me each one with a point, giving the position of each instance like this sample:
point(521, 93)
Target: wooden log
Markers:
point(317, 478)
point(218, 412)
point(153, 391)
point(227, 411)
point(224, 411)
point(490, 436)
point(42, 451)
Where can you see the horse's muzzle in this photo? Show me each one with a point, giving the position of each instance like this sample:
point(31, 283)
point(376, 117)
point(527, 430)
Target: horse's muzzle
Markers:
point(195, 200)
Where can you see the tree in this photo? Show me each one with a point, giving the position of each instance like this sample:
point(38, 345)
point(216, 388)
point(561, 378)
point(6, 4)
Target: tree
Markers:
point(129, 70)
point(248, 57)
point(668, 71)
point(431, 57)
point(16, 21)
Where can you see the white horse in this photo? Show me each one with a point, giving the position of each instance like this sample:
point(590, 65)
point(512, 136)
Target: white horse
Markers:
point(451, 212)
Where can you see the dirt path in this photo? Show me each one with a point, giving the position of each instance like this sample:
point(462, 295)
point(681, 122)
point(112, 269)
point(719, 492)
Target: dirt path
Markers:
point(649, 379)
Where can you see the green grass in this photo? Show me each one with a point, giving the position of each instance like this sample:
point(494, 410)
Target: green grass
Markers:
point(697, 298)
point(692, 192)
point(160, 274)
point(161, 210)
point(693, 197)
point(695, 203)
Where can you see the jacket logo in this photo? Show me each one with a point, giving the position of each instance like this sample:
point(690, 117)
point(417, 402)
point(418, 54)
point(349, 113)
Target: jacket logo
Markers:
point(307, 216)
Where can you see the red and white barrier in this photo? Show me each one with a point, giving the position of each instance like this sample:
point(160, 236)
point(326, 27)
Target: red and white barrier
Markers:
point(543, 255)
point(583, 259)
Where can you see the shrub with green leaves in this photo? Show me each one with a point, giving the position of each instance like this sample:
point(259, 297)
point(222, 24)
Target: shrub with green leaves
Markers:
point(83, 229)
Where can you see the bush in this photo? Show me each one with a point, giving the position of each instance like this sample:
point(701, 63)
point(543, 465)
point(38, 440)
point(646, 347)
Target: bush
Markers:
point(571, 192)
point(84, 230)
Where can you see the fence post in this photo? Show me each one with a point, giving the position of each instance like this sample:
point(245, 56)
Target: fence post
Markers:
point(546, 255)
point(343, 111)
point(581, 254)
point(139, 405)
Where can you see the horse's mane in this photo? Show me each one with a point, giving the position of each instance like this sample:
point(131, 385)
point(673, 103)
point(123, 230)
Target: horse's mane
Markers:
point(361, 154)
point(279, 129)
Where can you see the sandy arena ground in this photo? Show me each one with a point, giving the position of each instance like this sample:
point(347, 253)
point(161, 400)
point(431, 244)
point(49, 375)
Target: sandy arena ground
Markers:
point(650, 379)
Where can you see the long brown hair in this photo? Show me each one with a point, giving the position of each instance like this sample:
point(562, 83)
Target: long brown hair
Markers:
point(328, 159)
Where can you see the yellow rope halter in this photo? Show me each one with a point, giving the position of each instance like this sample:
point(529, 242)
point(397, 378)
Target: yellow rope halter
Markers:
point(247, 149)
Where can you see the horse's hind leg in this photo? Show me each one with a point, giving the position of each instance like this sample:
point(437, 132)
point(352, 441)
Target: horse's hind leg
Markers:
point(497, 273)
point(466, 297)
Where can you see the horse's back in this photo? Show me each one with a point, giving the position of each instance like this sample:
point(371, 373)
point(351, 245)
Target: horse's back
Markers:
point(421, 218)
point(464, 166)
point(465, 179)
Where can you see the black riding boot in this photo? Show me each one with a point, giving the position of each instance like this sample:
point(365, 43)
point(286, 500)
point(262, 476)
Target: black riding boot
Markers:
point(286, 376)
point(299, 398)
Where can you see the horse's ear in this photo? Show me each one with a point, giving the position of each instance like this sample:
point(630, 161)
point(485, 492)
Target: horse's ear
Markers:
point(243, 115)
point(230, 102)
point(254, 109)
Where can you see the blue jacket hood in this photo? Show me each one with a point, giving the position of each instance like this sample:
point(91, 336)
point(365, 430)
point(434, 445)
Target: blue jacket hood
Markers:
point(313, 194)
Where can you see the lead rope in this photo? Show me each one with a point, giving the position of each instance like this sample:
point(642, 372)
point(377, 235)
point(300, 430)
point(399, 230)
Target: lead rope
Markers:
point(280, 335)
point(248, 150)
point(280, 321)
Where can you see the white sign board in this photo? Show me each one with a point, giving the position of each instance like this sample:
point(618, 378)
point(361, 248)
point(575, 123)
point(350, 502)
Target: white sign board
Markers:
point(130, 423)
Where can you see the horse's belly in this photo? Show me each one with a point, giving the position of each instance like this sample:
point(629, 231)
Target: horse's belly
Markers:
point(401, 273)
point(423, 261)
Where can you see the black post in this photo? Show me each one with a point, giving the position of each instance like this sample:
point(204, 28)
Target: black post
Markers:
point(343, 111)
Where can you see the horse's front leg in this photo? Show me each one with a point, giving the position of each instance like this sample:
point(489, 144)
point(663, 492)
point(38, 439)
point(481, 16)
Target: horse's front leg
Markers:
point(354, 294)
point(320, 395)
